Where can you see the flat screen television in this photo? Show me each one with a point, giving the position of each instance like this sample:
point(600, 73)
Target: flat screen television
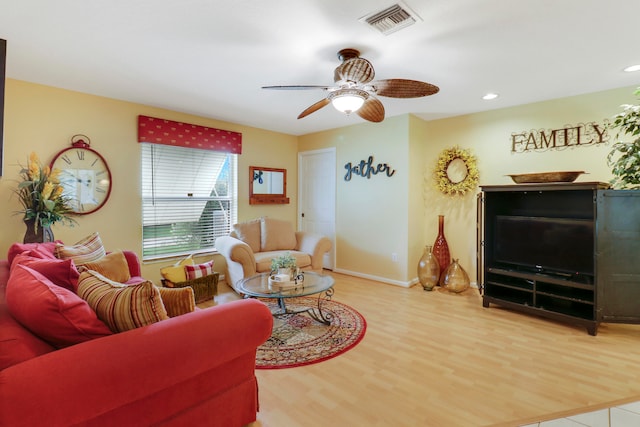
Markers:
point(551, 245)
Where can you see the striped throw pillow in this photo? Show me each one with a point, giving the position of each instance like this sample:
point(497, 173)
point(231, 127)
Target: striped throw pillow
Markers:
point(89, 249)
point(121, 307)
point(178, 301)
point(199, 270)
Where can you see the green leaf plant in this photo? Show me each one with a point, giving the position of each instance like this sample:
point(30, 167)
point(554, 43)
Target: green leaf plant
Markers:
point(285, 260)
point(624, 157)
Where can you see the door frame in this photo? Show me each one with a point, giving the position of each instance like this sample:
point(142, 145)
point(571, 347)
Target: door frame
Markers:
point(332, 152)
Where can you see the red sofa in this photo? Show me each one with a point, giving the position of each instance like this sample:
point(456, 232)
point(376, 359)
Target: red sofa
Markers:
point(191, 370)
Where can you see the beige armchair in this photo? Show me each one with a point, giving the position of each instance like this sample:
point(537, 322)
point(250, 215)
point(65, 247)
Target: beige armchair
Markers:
point(251, 246)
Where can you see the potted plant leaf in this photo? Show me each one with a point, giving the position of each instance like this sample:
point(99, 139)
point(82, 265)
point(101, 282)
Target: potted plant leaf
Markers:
point(284, 264)
point(624, 157)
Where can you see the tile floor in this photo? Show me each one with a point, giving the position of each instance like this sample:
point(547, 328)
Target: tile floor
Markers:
point(618, 416)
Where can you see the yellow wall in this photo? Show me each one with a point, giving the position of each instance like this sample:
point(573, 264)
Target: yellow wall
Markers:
point(371, 214)
point(376, 217)
point(488, 135)
point(43, 119)
point(416, 227)
point(414, 146)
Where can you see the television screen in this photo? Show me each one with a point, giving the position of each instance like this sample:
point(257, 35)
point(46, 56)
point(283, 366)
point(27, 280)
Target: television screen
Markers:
point(545, 244)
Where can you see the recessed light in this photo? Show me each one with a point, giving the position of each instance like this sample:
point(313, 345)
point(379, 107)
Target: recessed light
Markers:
point(632, 68)
point(490, 96)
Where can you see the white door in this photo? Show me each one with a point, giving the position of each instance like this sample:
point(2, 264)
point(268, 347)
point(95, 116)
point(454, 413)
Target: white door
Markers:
point(317, 196)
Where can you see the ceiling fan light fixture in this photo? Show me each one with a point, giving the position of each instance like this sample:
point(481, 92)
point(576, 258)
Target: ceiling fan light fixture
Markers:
point(348, 100)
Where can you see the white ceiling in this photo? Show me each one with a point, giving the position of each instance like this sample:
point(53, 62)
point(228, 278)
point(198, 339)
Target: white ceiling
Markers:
point(211, 57)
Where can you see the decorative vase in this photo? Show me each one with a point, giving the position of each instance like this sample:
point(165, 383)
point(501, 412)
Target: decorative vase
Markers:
point(41, 235)
point(441, 249)
point(428, 269)
point(455, 278)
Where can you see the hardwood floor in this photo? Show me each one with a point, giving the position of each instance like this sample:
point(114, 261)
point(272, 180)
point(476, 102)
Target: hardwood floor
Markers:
point(441, 359)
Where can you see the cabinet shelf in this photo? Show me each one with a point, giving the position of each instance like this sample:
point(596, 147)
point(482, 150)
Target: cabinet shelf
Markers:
point(580, 282)
point(571, 299)
point(540, 292)
point(604, 293)
point(505, 285)
point(566, 292)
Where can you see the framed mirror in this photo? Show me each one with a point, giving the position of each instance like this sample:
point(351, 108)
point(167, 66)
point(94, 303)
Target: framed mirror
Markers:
point(267, 186)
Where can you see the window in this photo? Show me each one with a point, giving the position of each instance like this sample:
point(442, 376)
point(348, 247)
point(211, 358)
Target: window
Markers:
point(189, 198)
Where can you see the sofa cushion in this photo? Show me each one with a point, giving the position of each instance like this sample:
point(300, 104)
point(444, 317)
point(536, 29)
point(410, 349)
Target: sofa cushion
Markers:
point(176, 273)
point(17, 344)
point(122, 307)
point(249, 232)
point(200, 270)
point(113, 266)
point(276, 235)
point(86, 250)
point(51, 312)
point(45, 250)
point(178, 301)
point(263, 259)
point(61, 272)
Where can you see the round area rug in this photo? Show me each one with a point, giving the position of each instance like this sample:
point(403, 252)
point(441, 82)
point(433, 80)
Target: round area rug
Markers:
point(298, 340)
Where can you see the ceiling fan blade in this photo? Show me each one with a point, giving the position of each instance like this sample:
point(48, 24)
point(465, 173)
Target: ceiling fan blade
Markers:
point(402, 88)
point(372, 110)
point(315, 107)
point(355, 69)
point(296, 87)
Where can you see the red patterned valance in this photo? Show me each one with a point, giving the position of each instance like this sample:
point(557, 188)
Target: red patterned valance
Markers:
point(167, 132)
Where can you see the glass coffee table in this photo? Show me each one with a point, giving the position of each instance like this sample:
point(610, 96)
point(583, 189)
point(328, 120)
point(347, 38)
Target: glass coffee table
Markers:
point(258, 287)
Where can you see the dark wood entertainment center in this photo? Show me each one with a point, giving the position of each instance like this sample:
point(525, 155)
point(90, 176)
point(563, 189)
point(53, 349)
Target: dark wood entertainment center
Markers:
point(585, 239)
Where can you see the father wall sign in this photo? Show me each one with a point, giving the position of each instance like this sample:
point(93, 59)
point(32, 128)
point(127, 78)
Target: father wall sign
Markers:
point(583, 134)
point(366, 168)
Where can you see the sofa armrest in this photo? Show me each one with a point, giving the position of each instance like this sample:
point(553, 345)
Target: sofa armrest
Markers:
point(240, 259)
point(139, 377)
point(134, 263)
point(315, 245)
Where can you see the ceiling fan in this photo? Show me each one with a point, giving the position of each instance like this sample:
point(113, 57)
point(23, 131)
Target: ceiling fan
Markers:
point(356, 91)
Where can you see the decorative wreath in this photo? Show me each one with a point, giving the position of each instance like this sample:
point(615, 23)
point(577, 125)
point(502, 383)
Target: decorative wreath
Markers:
point(444, 183)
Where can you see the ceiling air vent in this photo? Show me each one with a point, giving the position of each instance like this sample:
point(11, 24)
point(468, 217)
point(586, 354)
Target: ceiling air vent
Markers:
point(391, 19)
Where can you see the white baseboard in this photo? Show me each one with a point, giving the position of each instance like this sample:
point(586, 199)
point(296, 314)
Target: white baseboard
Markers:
point(377, 278)
point(400, 283)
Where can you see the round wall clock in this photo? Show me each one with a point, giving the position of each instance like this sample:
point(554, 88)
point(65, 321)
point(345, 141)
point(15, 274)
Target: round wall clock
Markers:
point(84, 174)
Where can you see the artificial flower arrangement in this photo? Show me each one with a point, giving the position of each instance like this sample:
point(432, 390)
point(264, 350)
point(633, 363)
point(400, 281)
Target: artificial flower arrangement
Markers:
point(42, 195)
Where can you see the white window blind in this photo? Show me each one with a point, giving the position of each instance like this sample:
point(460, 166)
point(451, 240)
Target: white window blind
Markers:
point(189, 198)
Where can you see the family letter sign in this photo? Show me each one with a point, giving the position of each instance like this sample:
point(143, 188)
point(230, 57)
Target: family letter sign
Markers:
point(583, 134)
